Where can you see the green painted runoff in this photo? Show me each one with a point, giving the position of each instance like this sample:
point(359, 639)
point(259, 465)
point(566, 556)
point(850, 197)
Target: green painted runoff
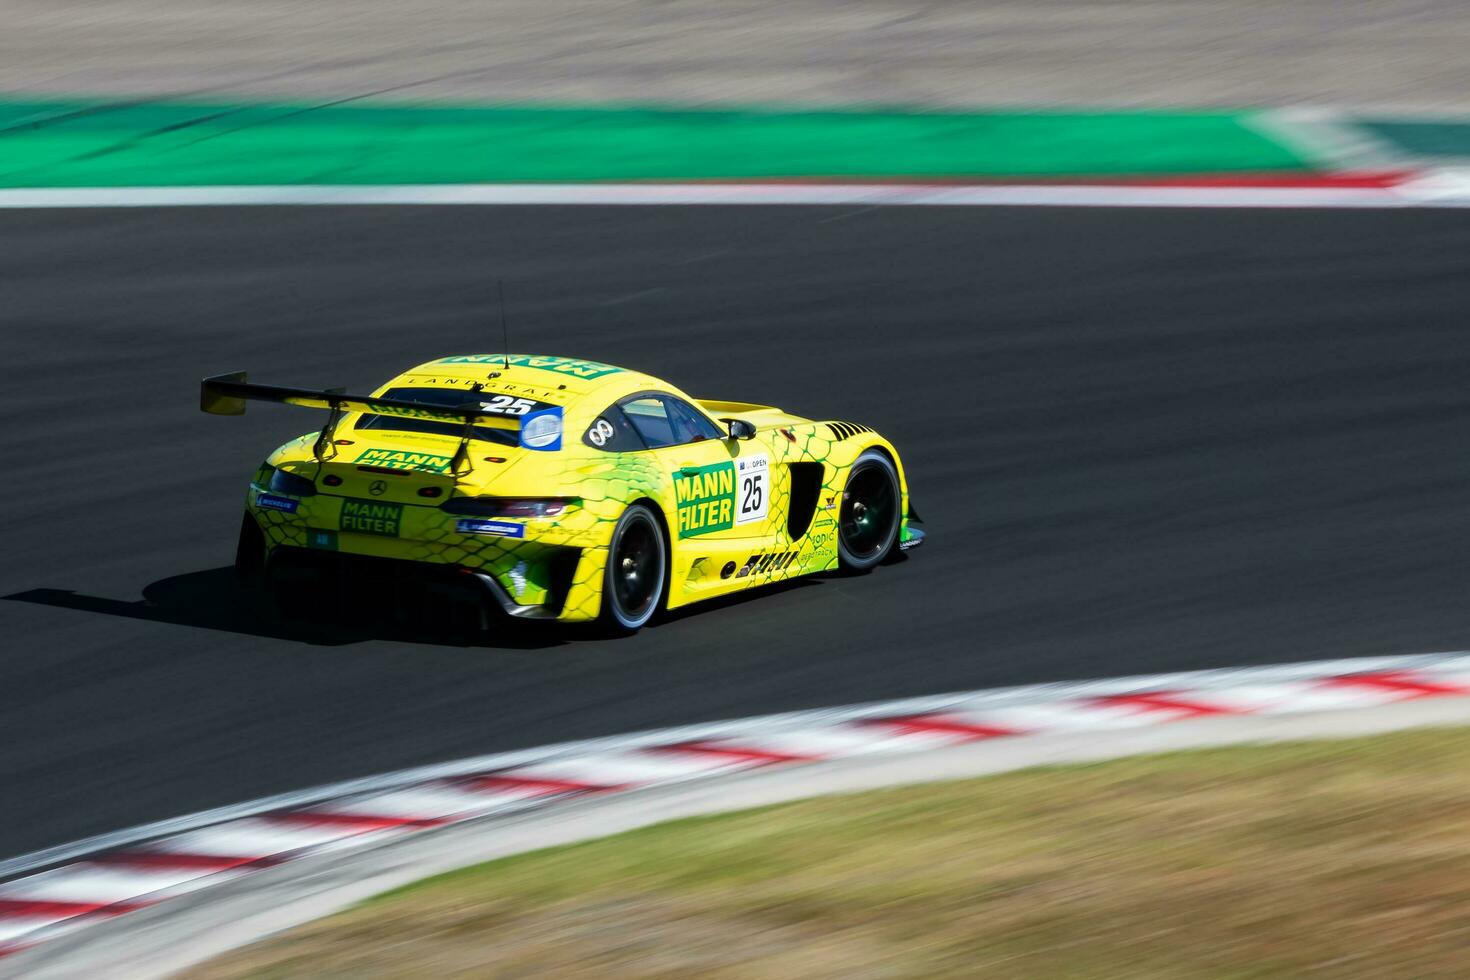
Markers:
point(80, 143)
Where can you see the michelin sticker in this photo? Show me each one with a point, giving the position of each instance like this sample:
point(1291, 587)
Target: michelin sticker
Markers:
point(269, 501)
point(752, 488)
point(498, 529)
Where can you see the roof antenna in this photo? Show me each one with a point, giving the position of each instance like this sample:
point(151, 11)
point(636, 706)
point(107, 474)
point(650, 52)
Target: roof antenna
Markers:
point(504, 330)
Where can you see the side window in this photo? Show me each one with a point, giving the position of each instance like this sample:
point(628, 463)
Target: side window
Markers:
point(662, 420)
point(650, 416)
point(612, 432)
point(690, 423)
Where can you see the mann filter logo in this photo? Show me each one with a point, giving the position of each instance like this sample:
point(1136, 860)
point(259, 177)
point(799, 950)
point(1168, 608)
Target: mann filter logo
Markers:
point(706, 499)
point(371, 517)
point(561, 365)
point(391, 459)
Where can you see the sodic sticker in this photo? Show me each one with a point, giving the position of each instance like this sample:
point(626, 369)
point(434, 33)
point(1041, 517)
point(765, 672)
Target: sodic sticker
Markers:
point(269, 501)
point(706, 499)
point(392, 459)
point(499, 529)
point(371, 517)
point(561, 365)
point(753, 488)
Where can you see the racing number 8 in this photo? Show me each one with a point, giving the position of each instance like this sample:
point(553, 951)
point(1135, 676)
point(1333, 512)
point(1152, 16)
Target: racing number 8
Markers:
point(601, 432)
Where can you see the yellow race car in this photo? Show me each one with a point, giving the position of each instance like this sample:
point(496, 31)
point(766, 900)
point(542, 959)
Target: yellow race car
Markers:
point(553, 488)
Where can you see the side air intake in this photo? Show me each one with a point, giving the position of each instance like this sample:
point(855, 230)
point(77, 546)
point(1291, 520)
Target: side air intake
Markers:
point(806, 487)
point(845, 430)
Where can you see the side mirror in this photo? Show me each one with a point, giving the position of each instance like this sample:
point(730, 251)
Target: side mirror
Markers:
point(739, 429)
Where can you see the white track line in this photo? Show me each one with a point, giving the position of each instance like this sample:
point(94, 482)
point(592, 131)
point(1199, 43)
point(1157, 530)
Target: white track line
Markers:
point(425, 801)
point(831, 742)
point(621, 768)
point(254, 838)
point(17, 927)
point(89, 883)
point(1426, 191)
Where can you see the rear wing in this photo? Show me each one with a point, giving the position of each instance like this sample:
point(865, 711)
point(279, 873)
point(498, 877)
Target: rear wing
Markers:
point(226, 394)
point(538, 423)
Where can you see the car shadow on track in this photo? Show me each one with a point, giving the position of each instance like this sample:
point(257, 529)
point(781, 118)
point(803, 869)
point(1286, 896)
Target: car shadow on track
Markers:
point(214, 599)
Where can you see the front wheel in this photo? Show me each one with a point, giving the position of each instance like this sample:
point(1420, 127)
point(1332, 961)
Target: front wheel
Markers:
point(870, 516)
point(637, 564)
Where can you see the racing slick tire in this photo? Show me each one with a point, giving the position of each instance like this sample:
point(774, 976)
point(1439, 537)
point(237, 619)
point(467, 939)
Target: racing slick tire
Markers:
point(868, 523)
point(637, 566)
point(254, 596)
point(249, 553)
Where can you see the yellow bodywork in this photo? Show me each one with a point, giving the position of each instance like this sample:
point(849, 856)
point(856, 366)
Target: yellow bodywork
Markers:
point(377, 506)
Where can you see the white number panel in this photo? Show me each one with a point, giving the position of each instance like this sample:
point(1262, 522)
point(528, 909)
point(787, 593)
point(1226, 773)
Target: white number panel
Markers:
point(752, 488)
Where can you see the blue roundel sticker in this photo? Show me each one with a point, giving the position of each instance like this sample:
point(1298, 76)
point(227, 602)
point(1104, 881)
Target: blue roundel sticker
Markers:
point(541, 430)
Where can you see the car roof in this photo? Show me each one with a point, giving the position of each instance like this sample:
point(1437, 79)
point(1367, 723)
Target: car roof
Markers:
point(553, 378)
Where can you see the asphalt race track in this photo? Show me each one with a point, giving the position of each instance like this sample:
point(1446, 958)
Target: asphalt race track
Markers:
point(1141, 441)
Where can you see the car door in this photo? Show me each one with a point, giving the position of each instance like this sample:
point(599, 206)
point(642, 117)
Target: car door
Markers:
point(698, 461)
point(721, 510)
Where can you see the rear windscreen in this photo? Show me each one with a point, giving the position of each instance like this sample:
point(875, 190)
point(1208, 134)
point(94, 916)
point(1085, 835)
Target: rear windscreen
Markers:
point(448, 397)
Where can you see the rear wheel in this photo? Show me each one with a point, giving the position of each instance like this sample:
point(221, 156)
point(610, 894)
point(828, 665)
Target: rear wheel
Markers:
point(868, 524)
point(250, 569)
point(249, 552)
point(637, 564)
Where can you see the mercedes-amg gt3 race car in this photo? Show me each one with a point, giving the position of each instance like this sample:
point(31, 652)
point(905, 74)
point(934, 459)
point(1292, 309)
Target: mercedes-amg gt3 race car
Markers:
point(552, 488)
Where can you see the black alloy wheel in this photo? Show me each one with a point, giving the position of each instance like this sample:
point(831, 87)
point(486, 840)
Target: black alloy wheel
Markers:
point(637, 564)
point(869, 521)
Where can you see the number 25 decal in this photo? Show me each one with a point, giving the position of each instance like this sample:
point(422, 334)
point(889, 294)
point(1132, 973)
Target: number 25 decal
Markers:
point(752, 488)
point(506, 405)
point(750, 495)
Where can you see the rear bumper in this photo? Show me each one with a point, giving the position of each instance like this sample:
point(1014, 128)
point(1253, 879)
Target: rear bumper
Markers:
point(523, 567)
point(426, 596)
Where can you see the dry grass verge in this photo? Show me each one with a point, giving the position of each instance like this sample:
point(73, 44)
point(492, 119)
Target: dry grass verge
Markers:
point(1348, 859)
